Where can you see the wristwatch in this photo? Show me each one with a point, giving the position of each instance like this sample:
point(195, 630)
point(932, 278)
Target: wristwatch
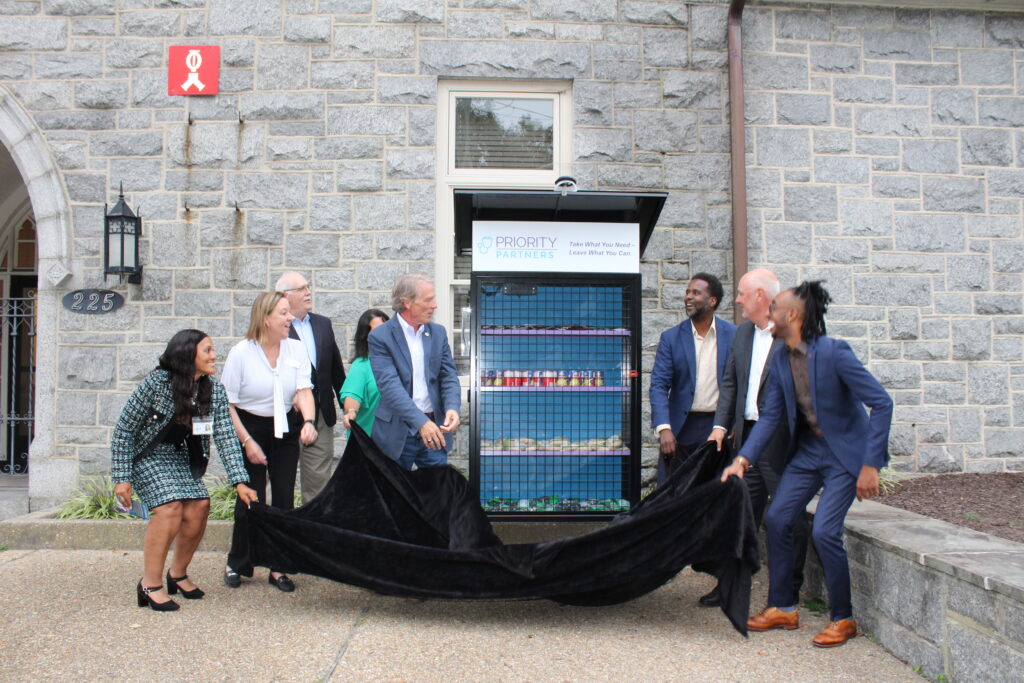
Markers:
point(309, 422)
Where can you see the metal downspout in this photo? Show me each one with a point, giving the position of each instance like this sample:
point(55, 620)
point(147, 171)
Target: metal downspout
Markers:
point(737, 134)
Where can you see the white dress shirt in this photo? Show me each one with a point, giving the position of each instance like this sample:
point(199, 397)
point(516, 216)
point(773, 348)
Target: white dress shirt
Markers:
point(255, 387)
point(304, 328)
point(705, 385)
point(414, 338)
point(758, 356)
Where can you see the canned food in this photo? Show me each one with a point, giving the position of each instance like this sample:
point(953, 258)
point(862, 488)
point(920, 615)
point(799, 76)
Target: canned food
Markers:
point(549, 379)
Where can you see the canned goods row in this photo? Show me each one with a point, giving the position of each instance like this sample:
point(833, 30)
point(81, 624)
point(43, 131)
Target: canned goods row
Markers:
point(543, 378)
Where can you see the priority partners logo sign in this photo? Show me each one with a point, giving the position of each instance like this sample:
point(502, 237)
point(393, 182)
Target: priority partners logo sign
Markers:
point(549, 246)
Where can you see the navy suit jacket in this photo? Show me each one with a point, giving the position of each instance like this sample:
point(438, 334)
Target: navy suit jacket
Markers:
point(840, 388)
point(328, 373)
point(674, 374)
point(397, 416)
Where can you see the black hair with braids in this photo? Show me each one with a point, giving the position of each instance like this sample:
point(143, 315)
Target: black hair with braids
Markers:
point(361, 340)
point(816, 300)
point(179, 359)
point(715, 288)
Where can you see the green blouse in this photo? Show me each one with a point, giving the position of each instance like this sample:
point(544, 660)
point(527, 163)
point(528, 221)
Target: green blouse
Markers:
point(361, 386)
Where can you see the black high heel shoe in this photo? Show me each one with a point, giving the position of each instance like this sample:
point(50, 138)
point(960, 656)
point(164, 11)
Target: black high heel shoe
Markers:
point(144, 599)
point(173, 587)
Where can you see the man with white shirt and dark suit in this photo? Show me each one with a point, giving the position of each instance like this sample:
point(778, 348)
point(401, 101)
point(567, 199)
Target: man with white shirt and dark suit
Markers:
point(690, 359)
point(420, 394)
point(742, 398)
point(316, 461)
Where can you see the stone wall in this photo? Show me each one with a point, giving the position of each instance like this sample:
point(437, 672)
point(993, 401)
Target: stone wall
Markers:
point(885, 152)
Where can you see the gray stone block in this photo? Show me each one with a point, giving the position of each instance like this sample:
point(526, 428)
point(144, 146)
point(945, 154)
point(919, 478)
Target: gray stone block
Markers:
point(836, 59)
point(364, 120)
point(307, 29)
point(811, 110)
point(927, 74)
point(890, 290)
point(33, 33)
point(904, 593)
point(862, 17)
point(987, 385)
point(1005, 30)
point(585, 11)
point(474, 24)
point(930, 156)
point(903, 46)
point(968, 273)
point(282, 67)
point(332, 213)
point(903, 324)
point(898, 375)
point(954, 106)
point(267, 190)
point(939, 460)
point(899, 121)
point(379, 212)
point(762, 71)
point(976, 656)
point(962, 195)
point(986, 67)
point(964, 424)
point(348, 148)
point(812, 204)
point(1001, 111)
point(1004, 443)
point(214, 145)
point(280, 106)
point(986, 147)
point(87, 367)
point(683, 210)
point(802, 25)
point(603, 144)
point(311, 250)
point(953, 28)
point(629, 175)
point(526, 58)
point(840, 169)
point(379, 277)
point(149, 23)
point(193, 304)
point(865, 217)
point(945, 394)
point(997, 304)
point(77, 408)
point(896, 186)
point(1008, 258)
point(971, 339)
point(929, 232)
point(1006, 183)
point(244, 269)
point(410, 163)
point(692, 90)
point(788, 243)
point(707, 26)
point(829, 250)
point(831, 142)
point(244, 17)
point(410, 246)
point(374, 42)
point(342, 75)
point(698, 172)
point(665, 131)
point(75, 8)
point(784, 147)
point(636, 95)
point(359, 176)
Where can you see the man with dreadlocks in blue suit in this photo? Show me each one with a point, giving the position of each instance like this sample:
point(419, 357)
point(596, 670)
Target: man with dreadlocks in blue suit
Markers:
point(820, 389)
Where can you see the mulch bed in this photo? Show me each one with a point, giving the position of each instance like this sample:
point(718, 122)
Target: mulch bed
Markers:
point(991, 502)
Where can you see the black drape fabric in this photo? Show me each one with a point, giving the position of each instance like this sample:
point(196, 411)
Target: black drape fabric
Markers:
point(423, 534)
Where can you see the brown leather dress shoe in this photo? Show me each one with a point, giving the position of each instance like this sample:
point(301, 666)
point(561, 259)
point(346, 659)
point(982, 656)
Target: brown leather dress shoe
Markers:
point(836, 633)
point(772, 617)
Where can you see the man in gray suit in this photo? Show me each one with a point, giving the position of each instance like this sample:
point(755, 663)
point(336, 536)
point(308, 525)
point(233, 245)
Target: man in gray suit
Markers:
point(420, 395)
point(742, 394)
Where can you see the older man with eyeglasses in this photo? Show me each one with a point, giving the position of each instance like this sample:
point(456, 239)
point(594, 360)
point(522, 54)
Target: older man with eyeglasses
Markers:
point(316, 461)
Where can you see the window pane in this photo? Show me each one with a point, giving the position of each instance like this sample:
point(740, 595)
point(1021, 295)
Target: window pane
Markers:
point(492, 132)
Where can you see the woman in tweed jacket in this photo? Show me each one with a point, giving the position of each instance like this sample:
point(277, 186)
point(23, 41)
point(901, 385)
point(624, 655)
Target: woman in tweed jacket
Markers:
point(150, 453)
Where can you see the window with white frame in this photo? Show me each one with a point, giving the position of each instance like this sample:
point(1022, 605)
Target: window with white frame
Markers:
point(491, 134)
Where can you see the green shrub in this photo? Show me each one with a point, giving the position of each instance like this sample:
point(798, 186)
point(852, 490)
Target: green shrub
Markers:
point(222, 499)
point(94, 500)
point(888, 480)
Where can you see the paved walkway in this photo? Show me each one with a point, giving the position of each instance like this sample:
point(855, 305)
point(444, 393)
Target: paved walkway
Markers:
point(72, 615)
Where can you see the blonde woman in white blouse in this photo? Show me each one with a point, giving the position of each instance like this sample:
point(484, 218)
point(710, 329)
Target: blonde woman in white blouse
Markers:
point(267, 379)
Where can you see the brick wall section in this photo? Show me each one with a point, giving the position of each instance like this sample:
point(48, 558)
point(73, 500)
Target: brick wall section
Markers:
point(885, 152)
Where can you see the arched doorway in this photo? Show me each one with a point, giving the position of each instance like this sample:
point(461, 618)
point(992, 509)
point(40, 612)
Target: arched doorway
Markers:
point(33, 211)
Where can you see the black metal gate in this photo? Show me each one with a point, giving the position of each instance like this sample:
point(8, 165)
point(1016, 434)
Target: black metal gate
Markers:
point(17, 409)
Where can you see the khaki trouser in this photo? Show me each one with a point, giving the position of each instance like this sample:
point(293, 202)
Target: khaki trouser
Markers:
point(317, 462)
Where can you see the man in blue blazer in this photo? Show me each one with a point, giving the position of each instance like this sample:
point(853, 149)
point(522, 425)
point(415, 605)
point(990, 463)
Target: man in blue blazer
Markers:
point(419, 388)
point(818, 389)
point(690, 360)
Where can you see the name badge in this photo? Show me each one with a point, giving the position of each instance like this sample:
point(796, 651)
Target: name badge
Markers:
point(202, 426)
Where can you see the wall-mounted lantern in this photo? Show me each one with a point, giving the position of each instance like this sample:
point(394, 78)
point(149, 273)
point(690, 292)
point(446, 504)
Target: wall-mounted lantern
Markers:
point(121, 230)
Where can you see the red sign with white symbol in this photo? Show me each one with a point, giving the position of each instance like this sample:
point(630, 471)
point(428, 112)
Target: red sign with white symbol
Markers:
point(193, 69)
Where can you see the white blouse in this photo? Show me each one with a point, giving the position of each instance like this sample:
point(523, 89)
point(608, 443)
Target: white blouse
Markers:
point(257, 388)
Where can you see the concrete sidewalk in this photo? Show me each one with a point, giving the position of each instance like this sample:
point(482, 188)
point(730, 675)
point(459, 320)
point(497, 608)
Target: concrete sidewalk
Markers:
point(71, 614)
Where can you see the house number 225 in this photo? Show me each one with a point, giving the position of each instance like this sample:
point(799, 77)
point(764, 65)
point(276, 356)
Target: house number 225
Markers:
point(92, 301)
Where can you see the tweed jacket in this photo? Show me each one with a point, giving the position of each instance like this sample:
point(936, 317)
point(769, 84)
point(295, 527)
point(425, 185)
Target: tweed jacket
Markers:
point(149, 411)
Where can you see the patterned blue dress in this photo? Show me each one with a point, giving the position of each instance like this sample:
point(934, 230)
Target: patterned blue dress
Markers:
point(163, 475)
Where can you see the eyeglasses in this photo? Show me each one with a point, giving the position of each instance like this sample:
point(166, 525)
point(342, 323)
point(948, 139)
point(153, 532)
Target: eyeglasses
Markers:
point(303, 288)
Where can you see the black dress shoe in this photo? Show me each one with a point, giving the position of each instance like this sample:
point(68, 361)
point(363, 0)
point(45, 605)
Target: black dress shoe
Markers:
point(142, 593)
point(173, 587)
point(712, 599)
point(232, 579)
point(283, 583)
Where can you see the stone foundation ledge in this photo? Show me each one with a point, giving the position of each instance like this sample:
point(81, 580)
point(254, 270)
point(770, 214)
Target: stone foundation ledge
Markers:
point(42, 530)
point(939, 596)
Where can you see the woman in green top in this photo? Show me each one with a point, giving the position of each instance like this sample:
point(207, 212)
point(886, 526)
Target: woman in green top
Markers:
point(359, 395)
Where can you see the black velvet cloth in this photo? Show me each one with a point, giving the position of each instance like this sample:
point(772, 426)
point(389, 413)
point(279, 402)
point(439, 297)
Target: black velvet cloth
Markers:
point(423, 534)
